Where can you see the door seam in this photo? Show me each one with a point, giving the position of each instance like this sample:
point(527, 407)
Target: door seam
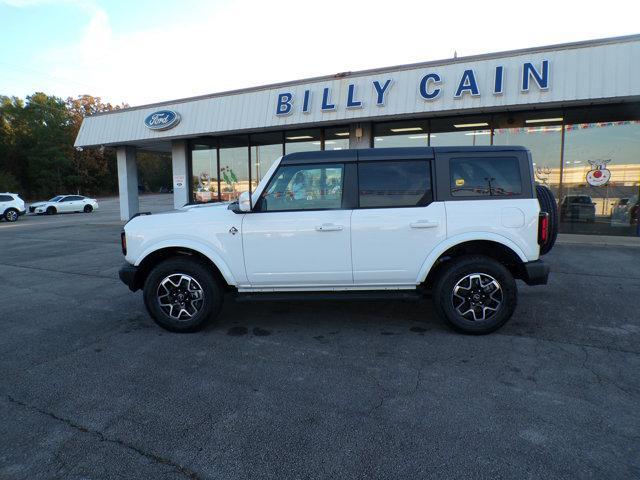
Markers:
point(353, 280)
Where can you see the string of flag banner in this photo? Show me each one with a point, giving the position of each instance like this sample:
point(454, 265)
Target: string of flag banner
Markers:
point(568, 127)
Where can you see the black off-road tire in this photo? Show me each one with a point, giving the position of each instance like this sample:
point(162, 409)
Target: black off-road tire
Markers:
point(548, 204)
point(212, 294)
point(87, 209)
point(458, 269)
point(51, 211)
point(11, 215)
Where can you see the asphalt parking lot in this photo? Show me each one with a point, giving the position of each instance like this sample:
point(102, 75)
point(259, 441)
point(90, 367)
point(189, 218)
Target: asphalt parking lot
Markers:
point(91, 389)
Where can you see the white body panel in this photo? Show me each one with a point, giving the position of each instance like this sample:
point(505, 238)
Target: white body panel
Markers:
point(510, 222)
point(390, 244)
point(204, 229)
point(298, 248)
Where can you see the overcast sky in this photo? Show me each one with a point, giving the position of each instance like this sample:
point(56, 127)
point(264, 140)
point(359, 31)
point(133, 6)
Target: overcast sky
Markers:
point(142, 51)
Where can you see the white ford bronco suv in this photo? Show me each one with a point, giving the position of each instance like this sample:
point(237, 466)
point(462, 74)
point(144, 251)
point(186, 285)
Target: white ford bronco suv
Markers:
point(459, 222)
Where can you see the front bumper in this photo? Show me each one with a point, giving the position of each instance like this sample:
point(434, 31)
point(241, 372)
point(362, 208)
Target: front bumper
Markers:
point(535, 273)
point(128, 275)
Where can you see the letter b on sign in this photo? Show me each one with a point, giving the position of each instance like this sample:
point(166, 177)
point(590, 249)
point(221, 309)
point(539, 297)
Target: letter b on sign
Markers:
point(284, 106)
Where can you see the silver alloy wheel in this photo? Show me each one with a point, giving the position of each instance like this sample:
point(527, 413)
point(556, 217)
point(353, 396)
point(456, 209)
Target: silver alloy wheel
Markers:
point(476, 294)
point(180, 296)
point(11, 216)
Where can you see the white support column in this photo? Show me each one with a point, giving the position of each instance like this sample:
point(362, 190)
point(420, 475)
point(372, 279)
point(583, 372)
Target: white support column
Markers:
point(365, 139)
point(179, 163)
point(127, 182)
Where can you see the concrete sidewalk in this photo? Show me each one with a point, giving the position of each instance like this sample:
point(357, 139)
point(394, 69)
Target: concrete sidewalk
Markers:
point(606, 240)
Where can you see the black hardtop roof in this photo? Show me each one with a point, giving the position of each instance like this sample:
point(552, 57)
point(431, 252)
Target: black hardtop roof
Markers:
point(397, 153)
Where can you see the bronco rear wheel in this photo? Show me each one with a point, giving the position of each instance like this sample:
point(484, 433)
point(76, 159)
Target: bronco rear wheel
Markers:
point(182, 295)
point(475, 294)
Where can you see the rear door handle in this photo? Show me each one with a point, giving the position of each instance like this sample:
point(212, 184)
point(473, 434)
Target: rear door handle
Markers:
point(424, 224)
point(328, 227)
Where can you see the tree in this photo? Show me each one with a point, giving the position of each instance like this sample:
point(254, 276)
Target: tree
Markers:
point(96, 168)
point(37, 157)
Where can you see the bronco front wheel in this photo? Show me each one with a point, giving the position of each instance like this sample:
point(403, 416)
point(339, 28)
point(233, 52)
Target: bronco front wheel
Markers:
point(182, 295)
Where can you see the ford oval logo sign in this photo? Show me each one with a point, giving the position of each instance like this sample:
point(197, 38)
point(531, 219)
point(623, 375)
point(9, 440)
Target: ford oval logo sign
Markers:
point(162, 120)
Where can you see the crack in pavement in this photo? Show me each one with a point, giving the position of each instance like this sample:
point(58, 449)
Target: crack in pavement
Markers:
point(185, 471)
point(600, 378)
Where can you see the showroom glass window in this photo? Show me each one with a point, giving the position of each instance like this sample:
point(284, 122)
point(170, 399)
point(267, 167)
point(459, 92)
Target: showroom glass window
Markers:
point(601, 178)
point(460, 131)
point(336, 138)
point(266, 148)
point(542, 136)
point(302, 140)
point(411, 133)
point(204, 172)
point(234, 167)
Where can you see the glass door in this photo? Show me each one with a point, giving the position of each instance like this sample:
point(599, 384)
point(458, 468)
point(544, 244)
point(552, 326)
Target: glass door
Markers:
point(205, 171)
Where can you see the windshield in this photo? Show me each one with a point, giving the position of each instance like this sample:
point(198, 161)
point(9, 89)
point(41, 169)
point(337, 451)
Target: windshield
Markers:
point(55, 199)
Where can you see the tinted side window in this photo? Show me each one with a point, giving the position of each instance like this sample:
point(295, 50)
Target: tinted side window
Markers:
point(394, 184)
point(485, 176)
point(304, 187)
point(5, 198)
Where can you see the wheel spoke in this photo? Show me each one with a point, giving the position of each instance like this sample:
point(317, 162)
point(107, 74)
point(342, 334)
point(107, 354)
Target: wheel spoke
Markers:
point(477, 297)
point(180, 296)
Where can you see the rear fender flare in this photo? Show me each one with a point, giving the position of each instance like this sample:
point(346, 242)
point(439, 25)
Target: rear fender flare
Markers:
point(466, 237)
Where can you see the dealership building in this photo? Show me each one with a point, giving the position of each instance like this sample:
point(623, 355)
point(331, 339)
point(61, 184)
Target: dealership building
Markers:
point(576, 106)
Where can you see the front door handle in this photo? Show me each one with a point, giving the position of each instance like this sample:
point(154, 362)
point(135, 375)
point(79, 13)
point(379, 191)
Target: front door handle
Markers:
point(424, 224)
point(328, 227)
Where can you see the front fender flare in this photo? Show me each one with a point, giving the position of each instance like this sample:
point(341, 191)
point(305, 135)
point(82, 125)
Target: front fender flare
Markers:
point(466, 237)
point(195, 245)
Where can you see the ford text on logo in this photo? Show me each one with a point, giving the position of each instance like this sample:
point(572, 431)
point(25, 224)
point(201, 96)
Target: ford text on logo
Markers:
point(430, 87)
point(162, 120)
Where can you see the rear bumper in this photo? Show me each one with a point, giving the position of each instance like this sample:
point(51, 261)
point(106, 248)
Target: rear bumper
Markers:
point(22, 212)
point(128, 275)
point(535, 273)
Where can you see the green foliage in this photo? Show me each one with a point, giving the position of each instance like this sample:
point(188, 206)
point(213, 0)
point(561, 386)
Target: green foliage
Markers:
point(8, 183)
point(37, 157)
point(154, 170)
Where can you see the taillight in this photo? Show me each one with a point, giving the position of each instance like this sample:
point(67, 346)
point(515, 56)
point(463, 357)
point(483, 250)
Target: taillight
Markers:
point(543, 228)
point(123, 241)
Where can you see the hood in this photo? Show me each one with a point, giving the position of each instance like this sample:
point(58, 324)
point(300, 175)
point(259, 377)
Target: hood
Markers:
point(205, 205)
point(37, 204)
point(204, 210)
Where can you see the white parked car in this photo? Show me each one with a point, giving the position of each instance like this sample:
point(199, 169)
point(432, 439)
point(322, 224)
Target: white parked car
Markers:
point(460, 222)
point(65, 204)
point(11, 206)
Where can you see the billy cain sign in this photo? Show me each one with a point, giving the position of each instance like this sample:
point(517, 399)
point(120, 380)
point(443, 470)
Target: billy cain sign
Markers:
point(430, 87)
